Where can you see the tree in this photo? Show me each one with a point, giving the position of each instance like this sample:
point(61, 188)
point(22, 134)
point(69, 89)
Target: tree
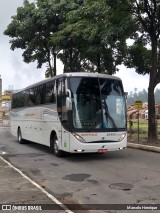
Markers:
point(70, 41)
point(85, 35)
point(34, 30)
point(144, 54)
point(157, 95)
point(102, 26)
point(142, 95)
point(31, 29)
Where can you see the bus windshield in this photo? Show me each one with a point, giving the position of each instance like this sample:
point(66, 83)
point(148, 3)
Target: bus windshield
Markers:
point(97, 104)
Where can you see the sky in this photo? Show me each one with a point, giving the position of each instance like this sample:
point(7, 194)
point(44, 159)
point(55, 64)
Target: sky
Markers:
point(17, 74)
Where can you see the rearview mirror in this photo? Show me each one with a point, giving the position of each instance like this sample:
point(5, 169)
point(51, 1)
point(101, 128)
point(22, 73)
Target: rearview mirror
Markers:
point(69, 103)
point(68, 100)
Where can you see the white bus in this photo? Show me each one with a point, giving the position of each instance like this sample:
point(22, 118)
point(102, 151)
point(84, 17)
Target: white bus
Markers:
point(72, 112)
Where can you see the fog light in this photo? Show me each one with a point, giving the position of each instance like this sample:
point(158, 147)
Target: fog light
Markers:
point(79, 150)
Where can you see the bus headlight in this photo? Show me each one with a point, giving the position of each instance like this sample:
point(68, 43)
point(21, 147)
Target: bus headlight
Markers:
point(79, 138)
point(122, 136)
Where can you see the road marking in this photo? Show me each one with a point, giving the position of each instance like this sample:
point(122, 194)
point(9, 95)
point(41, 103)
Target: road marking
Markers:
point(39, 187)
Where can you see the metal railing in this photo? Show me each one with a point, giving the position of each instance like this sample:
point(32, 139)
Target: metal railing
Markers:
point(139, 132)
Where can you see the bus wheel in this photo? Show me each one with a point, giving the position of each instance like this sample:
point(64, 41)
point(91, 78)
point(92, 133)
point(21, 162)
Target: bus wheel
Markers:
point(55, 146)
point(19, 136)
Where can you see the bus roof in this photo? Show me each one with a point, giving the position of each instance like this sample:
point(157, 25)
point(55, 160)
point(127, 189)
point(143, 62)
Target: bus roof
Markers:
point(71, 74)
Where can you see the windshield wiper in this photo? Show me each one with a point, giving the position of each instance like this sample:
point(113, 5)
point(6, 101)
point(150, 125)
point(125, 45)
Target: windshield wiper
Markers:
point(108, 116)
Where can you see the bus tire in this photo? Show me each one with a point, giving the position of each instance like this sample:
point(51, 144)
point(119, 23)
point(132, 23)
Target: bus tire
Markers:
point(19, 136)
point(55, 147)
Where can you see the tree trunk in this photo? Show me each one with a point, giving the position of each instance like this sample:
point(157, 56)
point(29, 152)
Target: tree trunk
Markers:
point(50, 67)
point(152, 132)
point(70, 59)
point(55, 64)
point(98, 63)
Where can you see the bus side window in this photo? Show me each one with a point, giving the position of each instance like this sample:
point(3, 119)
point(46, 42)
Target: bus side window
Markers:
point(31, 98)
point(64, 108)
point(59, 96)
point(42, 91)
point(50, 93)
point(15, 101)
point(61, 85)
point(26, 97)
point(53, 93)
point(37, 96)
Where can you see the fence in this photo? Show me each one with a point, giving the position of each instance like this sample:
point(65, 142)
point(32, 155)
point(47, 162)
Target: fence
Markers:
point(136, 134)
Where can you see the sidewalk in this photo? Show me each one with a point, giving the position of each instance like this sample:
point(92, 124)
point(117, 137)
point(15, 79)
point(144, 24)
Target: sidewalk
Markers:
point(19, 193)
point(144, 147)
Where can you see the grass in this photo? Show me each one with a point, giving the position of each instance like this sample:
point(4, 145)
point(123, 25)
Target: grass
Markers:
point(143, 129)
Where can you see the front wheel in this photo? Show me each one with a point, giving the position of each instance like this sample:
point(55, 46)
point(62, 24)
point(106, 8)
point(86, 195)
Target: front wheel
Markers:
point(55, 146)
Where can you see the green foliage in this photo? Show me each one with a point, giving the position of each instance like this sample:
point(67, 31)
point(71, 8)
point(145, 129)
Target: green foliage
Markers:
point(143, 96)
point(144, 54)
point(31, 29)
point(97, 25)
point(133, 96)
point(85, 35)
point(139, 57)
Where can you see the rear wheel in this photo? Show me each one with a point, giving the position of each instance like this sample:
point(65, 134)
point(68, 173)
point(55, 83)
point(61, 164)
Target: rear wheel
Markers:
point(55, 146)
point(19, 136)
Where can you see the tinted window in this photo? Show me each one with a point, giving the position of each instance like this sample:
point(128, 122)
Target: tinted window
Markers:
point(50, 95)
point(97, 103)
point(61, 85)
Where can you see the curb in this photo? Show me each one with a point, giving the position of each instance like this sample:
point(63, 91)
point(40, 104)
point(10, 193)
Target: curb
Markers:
point(144, 147)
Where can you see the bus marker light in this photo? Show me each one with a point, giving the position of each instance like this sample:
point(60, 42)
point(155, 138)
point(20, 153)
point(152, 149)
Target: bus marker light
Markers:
point(102, 150)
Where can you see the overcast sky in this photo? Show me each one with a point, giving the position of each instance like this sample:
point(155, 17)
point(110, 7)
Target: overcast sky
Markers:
point(15, 73)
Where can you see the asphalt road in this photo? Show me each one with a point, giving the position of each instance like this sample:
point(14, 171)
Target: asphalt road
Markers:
point(123, 177)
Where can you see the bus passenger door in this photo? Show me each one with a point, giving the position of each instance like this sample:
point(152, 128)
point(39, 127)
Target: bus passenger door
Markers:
point(63, 114)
